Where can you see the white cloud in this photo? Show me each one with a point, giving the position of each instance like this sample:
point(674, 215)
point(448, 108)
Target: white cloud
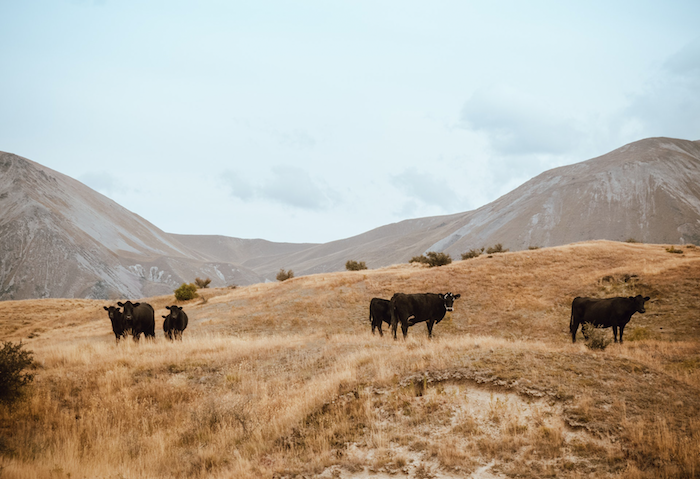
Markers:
point(670, 103)
point(517, 123)
point(432, 188)
point(287, 185)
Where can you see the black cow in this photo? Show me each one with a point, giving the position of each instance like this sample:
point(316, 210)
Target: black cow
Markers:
point(379, 312)
point(140, 318)
point(410, 309)
point(603, 313)
point(117, 319)
point(175, 322)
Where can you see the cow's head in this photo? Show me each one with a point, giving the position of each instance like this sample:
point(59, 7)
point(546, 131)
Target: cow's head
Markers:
point(129, 313)
point(175, 311)
point(116, 317)
point(639, 301)
point(449, 300)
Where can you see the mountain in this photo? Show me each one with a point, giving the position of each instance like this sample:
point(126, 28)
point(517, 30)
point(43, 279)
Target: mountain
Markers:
point(59, 238)
point(648, 191)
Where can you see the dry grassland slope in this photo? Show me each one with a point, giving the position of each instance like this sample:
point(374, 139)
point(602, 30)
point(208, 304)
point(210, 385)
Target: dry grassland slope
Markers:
point(285, 380)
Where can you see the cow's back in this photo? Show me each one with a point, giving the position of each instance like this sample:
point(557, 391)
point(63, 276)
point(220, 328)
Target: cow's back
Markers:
point(144, 317)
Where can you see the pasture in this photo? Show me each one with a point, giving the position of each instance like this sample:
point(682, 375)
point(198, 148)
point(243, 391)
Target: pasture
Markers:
point(284, 380)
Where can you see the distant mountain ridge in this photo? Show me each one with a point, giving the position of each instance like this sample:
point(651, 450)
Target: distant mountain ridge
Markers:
point(59, 238)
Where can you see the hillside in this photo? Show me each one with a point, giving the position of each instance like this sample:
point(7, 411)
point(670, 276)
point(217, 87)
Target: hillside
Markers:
point(285, 379)
point(58, 238)
point(648, 190)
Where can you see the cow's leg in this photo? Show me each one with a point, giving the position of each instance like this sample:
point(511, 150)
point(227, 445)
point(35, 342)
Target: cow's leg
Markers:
point(379, 327)
point(622, 328)
point(574, 330)
point(615, 332)
point(394, 325)
point(429, 324)
point(404, 328)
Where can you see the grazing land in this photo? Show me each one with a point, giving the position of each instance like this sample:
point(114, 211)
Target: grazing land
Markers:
point(286, 380)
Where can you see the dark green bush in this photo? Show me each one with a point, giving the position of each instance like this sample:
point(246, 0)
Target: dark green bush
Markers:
point(671, 249)
point(472, 253)
point(353, 265)
point(432, 258)
point(533, 247)
point(186, 292)
point(284, 275)
point(202, 283)
point(13, 379)
point(497, 248)
point(419, 259)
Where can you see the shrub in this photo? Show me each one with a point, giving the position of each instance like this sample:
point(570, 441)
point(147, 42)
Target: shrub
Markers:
point(13, 361)
point(352, 265)
point(631, 240)
point(186, 292)
point(202, 283)
point(671, 249)
point(596, 338)
point(432, 258)
point(419, 259)
point(472, 253)
point(284, 275)
point(533, 247)
point(497, 248)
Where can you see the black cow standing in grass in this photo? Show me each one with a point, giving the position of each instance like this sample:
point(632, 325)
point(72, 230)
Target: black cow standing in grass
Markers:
point(117, 319)
point(140, 318)
point(604, 313)
point(175, 322)
point(379, 312)
point(409, 309)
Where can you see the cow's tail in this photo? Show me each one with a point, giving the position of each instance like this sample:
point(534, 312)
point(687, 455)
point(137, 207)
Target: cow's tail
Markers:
point(573, 323)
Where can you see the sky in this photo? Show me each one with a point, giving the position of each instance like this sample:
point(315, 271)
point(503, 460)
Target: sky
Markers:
point(317, 120)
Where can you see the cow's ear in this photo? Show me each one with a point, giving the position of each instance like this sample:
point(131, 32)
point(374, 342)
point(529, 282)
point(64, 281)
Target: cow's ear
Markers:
point(106, 308)
point(120, 304)
point(165, 317)
point(136, 305)
point(647, 298)
point(168, 308)
point(457, 296)
point(631, 297)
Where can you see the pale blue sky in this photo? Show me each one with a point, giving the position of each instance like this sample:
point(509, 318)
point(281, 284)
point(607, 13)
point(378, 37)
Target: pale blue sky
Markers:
point(318, 120)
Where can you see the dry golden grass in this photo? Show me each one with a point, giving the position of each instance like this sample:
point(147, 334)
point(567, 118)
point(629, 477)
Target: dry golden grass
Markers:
point(285, 379)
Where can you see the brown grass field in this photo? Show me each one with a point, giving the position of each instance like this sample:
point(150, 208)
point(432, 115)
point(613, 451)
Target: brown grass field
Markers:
point(285, 380)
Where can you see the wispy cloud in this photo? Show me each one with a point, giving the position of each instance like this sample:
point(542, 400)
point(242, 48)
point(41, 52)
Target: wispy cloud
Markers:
point(287, 185)
point(517, 123)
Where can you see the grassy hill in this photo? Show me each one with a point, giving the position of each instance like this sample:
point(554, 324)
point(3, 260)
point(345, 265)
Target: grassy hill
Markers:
point(285, 379)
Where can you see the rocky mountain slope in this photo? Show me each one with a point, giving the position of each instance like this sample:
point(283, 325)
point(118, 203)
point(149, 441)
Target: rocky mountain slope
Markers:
point(58, 238)
point(648, 191)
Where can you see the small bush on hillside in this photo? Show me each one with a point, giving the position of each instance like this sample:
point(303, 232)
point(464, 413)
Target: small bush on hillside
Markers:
point(202, 283)
point(472, 253)
point(671, 249)
point(533, 247)
point(432, 258)
point(419, 259)
point(631, 240)
point(497, 248)
point(352, 265)
point(186, 292)
point(13, 379)
point(596, 338)
point(284, 275)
